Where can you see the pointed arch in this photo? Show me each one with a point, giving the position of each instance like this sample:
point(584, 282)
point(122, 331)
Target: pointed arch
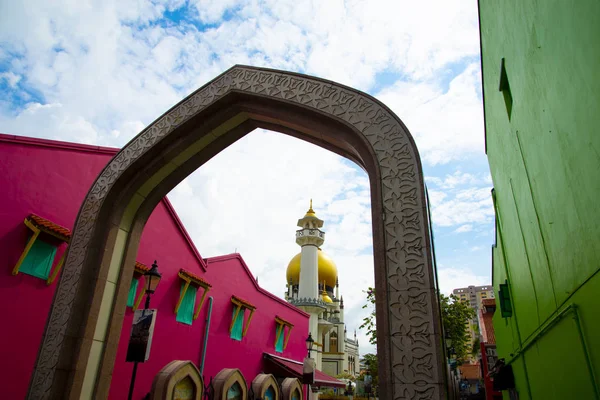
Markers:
point(78, 349)
point(262, 383)
point(228, 380)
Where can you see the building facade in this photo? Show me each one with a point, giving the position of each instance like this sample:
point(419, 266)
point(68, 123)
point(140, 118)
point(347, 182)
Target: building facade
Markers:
point(210, 311)
point(313, 286)
point(541, 99)
point(474, 296)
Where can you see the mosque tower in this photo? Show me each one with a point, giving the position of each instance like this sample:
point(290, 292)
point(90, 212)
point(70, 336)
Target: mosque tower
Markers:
point(313, 286)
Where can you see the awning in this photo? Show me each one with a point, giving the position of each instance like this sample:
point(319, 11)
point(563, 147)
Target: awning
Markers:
point(287, 367)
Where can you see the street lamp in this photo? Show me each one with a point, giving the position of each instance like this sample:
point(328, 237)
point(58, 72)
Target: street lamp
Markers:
point(309, 343)
point(152, 280)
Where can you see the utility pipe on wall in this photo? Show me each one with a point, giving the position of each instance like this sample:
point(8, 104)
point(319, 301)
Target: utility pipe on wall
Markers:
point(206, 330)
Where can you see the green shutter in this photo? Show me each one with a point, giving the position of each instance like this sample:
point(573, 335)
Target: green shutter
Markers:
point(238, 325)
point(132, 292)
point(185, 313)
point(505, 304)
point(39, 260)
point(279, 344)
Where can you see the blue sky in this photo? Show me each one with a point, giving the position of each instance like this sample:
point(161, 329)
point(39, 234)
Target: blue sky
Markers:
point(98, 72)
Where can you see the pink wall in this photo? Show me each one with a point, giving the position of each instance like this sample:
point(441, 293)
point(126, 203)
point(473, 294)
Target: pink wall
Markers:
point(51, 179)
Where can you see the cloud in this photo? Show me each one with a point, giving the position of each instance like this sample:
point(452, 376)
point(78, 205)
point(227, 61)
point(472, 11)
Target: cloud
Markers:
point(447, 124)
point(99, 73)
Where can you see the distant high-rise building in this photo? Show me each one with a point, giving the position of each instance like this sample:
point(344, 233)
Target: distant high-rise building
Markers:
point(474, 295)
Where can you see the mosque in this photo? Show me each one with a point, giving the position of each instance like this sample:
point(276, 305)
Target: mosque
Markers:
point(313, 286)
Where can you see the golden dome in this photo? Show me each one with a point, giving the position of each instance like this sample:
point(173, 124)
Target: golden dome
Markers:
point(326, 297)
point(327, 269)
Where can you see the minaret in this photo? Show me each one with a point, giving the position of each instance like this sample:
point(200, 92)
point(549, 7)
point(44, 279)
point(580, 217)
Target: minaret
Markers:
point(310, 238)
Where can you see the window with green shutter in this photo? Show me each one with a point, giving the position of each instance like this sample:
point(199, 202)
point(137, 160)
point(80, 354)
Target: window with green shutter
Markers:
point(132, 292)
point(185, 312)
point(39, 260)
point(238, 324)
point(280, 335)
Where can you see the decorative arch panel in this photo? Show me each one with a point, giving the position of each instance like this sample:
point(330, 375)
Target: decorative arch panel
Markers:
point(99, 264)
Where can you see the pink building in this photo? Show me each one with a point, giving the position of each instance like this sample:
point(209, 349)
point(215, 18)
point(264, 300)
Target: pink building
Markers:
point(43, 183)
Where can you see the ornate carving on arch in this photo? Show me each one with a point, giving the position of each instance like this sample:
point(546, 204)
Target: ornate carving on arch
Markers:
point(415, 356)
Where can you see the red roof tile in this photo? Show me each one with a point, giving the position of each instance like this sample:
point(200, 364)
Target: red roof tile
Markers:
point(50, 227)
point(141, 268)
point(470, 371)
point(193, 278)
point(489, 327)
point(244, 302)
point(283, 321)
point(488, 302)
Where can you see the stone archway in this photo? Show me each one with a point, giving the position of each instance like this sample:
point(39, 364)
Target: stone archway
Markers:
point(79, 346)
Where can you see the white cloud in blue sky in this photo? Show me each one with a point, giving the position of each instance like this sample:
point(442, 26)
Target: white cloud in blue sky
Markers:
point(98, 72)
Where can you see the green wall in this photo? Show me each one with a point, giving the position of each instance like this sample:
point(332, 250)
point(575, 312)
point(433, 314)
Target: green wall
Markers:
point(545, 163)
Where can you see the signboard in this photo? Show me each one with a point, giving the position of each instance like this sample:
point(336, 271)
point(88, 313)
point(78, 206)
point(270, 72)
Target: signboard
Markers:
point(308, 371)
point(140, 341)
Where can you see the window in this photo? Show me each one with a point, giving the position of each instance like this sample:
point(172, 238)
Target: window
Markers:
point(333, 342)
point(505, 304)
point(132, 292)
point(279, 340)
point(38, 261)
point(234, 392)
point(39, 253)
point(505, 89)
point(186, 305)
point(270, 393)
point(239, 324)
point(185, 312)
point(296, 395)
point(282, 335)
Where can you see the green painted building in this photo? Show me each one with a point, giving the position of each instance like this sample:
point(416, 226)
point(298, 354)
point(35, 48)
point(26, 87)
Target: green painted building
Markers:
point(541, 89)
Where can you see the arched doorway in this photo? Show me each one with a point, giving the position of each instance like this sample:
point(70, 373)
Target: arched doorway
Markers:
point(79, 347)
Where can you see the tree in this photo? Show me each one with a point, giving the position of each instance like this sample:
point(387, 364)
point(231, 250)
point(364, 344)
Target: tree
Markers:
point(345, 375)
point(455, 315)
point(369, 321)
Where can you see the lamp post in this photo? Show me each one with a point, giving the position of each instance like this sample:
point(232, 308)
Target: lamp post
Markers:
point(308, 369)
point(309, 343)
point(152, 278)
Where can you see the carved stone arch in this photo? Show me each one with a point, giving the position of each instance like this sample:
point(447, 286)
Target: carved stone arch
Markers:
point(225, 379)
point(166, 381)
point(261, 384)
point(289, 386)
point(78, 350)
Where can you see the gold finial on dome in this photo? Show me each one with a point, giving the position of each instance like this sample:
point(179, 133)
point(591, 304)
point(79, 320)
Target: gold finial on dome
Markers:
point(325, 296)
point(310, 211)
